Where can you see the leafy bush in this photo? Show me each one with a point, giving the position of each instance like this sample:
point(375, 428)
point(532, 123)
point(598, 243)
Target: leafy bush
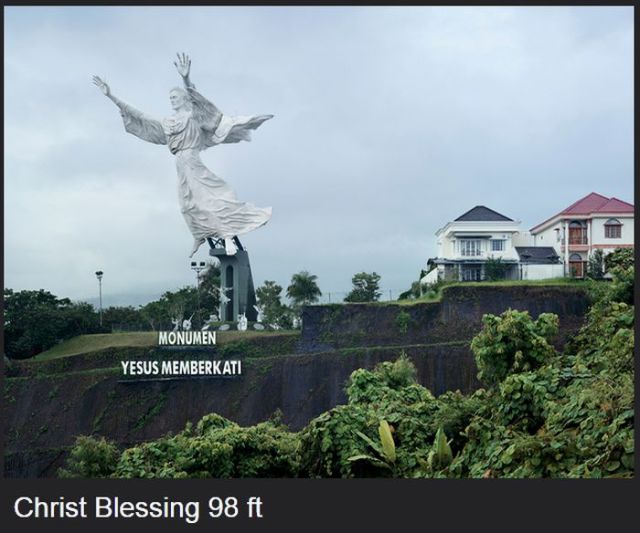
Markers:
point(620, 257)
point(494, 269)
point(513, 342)
point(546, 414)
point(90, 457)
point(217, 448)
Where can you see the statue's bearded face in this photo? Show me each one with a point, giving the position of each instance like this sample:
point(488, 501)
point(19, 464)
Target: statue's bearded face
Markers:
point(177, 99)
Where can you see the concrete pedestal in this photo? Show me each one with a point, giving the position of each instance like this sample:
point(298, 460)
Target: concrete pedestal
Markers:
point(235, 276)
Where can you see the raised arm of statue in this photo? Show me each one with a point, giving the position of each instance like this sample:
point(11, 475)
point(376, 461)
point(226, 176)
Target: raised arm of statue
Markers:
point(183, 66)
point(207, 114)
point(135, 122)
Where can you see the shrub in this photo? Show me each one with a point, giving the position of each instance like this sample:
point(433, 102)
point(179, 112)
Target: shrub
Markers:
point(90, 457)
point(513, 342)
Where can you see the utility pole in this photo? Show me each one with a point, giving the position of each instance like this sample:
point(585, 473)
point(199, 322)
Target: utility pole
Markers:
point(99, 274)
point(197, 268)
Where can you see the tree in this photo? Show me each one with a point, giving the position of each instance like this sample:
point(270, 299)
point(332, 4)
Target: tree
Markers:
point(595, 266)
point(209, 290)
point(494, 269)
point(155, 314)
point(275, 312)
point(123, 319)
point(303, 289)
point(35, 321)
point(366, 288)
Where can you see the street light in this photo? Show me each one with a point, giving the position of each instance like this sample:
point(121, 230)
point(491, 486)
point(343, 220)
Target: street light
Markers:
point(197, 268)
point(99, 276)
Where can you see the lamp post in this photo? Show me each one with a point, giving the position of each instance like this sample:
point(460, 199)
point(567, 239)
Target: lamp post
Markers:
point(99, 276)
point(197, 268)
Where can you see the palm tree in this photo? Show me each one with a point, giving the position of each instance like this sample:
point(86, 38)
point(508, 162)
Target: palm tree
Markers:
point(303, 289)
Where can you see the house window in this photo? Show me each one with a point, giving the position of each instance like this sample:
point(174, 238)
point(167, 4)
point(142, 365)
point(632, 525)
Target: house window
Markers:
point(497, 245)
point(613, 229)
point(472, 273)
point(470, 247)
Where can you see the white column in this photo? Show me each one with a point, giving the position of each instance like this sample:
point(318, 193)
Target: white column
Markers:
point(566, 247)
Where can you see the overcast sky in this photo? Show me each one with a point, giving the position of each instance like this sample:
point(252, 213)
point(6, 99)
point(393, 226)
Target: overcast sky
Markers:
point(389, 123)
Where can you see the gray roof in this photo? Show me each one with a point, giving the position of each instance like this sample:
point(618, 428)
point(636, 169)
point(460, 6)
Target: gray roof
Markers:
point(480, 213)
point(541, 255)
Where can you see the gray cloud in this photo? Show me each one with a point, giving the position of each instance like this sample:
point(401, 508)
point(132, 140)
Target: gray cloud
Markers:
point(389, 122)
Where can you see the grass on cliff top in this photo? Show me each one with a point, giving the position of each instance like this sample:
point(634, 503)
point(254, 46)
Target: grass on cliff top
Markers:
point(91, 343)
point(436, 296)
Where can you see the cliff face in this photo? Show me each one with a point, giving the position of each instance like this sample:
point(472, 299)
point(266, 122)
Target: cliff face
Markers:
point(457, 317)
point(46, 405)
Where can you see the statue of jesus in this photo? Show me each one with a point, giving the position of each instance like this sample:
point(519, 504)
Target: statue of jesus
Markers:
point(209, 206)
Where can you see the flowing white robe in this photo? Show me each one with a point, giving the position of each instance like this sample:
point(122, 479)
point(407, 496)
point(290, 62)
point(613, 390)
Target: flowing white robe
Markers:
point(209, 206)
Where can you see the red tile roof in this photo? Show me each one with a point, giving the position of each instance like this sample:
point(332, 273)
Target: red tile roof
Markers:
point(586, 205)
point(592, 203)
point(616, 206)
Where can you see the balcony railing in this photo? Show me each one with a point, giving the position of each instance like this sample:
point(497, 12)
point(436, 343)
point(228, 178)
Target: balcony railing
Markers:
point(578, 237)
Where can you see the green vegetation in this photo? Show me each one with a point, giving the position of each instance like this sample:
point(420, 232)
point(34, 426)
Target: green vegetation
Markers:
point(216, 447)
point(303, 290)
point(36, 320)
point(90, 458)
point(495, 269)
point(543, 413)
point(402, 321)
point(92, 343)
point(434, 293)
point(154, 411)
point(275, 312)
point(595, 265)
point(366, 288)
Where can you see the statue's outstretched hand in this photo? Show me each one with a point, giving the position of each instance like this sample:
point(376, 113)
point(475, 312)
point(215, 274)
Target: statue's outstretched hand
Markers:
point(102, 85)
point(183, 65)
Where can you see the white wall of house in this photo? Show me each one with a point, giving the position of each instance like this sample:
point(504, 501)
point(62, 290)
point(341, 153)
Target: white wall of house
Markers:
point(522, 238)
point(598, 235)
point(542, 271)
point(491, 239)
point(552, 236)
point(430, 278)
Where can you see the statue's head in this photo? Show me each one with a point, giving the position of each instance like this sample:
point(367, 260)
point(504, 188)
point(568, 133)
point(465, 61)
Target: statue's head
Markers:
point(178, 98)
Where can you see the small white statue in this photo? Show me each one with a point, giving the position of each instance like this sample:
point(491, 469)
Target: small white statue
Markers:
point(212, 318)
point(224, 299)
point(186, 324)
point(176, 324)
point(260, 310)
point(242, 322)
point(296, 322)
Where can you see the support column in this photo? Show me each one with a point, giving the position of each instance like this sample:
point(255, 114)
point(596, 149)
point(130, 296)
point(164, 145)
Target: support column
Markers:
point(235, 276)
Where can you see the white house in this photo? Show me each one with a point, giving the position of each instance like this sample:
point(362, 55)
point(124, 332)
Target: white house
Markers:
point(465, 245)
point(593, 222)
